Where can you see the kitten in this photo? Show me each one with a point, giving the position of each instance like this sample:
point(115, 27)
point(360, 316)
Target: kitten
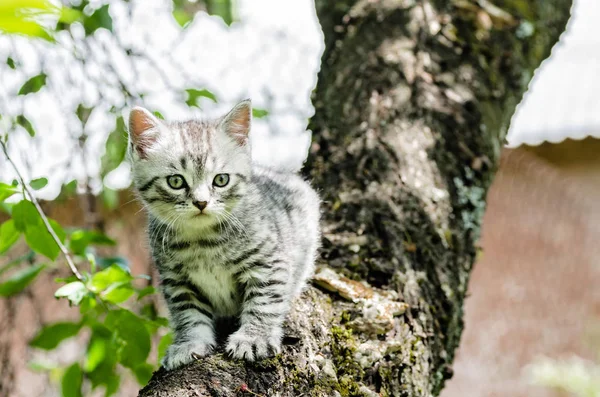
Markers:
point(230, 239)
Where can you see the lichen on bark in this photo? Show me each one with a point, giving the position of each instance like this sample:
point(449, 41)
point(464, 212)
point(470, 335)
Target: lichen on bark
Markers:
point(412, 105)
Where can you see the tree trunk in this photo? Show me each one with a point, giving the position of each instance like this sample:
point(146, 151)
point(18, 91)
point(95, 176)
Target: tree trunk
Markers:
point(412, 105)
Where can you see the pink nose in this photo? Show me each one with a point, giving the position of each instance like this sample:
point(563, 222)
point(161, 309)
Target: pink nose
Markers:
point(200, 204)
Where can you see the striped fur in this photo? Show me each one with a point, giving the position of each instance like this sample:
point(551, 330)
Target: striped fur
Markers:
point(244, 257)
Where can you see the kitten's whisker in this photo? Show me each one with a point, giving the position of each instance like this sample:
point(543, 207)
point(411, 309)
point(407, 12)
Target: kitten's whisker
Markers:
point(239, 223)
point(162, 228)
point(232, 261)
point(128, 202)
point(173, 222)
point(235, 223)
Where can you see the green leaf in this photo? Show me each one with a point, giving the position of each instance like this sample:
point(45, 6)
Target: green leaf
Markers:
point(69, 15)
point(50, 336)
point(99, 19)
point(161, 321)
point(164, 344)
point(106, 262)
point(6, 191)
point(158, 114)
point(221, 8)
point(146, 291)
point(143, 373)
point(116, 148)
point(182, 17)
point(41, 241)
point(112, 384)
point(87, 304)
point(118, 293)
point(111, 275)
point(8, 235)
point(74, 291)
point(259, 113)
point(34, 84)
point(81, 239)
point(23, 27)
point(149, 313)
point(21, 279)
point(193, 95)
point(106, 376)
point(68, 189)
point(37, 236)
point(101, 359)
point(38, 183)
point(133, 335)
point(21, 17)
point(96, 352)
point(110, 198)
point(23, 122)
point(25, 214)
point(68, 279)
point(83, 113)
point(58, 230)
point(72, 381)
point(11, 63)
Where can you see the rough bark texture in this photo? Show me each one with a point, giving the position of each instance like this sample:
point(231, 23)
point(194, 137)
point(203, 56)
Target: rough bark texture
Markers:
point(412, 105)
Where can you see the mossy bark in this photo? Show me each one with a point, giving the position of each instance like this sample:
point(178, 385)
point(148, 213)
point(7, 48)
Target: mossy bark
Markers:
point(412, 105)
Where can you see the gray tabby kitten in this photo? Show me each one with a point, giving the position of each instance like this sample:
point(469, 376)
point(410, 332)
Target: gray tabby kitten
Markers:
point(230, 239)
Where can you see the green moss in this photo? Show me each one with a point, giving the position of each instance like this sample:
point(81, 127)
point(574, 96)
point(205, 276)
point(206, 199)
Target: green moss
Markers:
point(267, 363)
point(346, 317)
point(349, 372)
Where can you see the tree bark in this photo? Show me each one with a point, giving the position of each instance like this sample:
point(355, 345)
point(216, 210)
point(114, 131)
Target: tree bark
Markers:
point(413, 101)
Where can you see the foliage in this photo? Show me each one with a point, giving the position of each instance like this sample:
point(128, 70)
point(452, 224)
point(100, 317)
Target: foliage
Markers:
point(34, 84)
point(183, 10)
point(18, 281)
point(575, 376)
point(80, 26)
point(118, 321)
point(22, 17)
point(119, 334)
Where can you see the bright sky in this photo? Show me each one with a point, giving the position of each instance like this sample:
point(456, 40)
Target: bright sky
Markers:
point(271, 56)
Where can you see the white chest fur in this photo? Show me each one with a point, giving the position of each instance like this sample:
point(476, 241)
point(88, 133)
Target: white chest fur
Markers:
point(217, 283)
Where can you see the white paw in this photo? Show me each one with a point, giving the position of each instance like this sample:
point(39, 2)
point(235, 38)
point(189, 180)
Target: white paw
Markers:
point(253, 346)
point(184, 353)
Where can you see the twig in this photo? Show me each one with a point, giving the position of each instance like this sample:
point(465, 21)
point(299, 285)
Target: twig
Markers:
point(61, 246)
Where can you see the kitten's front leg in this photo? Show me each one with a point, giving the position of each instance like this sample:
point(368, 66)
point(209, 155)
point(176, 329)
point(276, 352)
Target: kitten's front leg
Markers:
point(192, 321)
point(266, 303)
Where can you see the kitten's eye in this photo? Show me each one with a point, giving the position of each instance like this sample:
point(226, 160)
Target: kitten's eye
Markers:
point(176, 181)
point(221, 180)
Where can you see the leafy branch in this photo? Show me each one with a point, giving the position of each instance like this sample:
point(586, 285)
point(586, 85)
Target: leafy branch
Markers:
point(43, 216)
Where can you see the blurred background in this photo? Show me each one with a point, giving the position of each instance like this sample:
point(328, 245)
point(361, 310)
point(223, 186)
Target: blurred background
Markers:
point(533, 315)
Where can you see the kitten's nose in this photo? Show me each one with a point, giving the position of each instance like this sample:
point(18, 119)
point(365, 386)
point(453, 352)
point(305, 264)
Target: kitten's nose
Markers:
point(200, 204)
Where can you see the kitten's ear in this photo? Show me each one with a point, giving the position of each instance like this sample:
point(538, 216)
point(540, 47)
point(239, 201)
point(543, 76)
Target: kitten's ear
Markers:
point(237, 122)
point(143, 129)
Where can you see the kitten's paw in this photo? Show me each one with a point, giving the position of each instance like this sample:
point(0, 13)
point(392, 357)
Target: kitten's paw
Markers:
point(184, 353)
point(253, 346)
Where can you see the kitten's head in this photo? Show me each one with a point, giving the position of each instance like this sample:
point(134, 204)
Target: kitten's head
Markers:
point(191, 173)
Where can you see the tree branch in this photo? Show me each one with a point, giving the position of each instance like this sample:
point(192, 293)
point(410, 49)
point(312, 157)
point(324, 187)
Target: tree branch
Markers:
point(61, 246)
point(411, 107)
